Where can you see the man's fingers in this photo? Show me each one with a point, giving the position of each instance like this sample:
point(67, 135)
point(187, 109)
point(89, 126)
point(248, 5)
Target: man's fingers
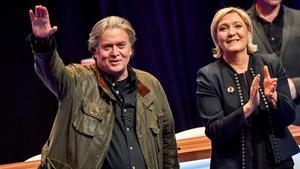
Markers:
point(31, 14)
point(39, 11)
point(45, 11)
point(53, 30)
point(36, 11)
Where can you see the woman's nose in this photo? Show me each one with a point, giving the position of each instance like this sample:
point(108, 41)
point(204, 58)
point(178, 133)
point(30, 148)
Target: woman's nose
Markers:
point(231, 32)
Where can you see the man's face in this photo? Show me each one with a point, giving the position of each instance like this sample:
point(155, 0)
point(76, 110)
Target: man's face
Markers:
point(113, 53)
point(270, 2)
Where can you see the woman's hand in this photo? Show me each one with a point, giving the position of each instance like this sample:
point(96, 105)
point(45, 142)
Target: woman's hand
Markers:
point(254, 99)
point(270, 85)
point(40, 22)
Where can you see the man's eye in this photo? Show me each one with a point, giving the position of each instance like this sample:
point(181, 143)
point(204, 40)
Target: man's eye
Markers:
point(121, 46)
point(106, 48)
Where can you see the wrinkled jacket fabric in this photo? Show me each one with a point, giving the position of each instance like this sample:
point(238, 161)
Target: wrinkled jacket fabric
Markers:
point(82, 130)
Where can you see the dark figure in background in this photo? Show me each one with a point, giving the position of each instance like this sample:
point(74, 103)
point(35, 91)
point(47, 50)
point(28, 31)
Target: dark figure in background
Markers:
point(276, 31)
point(244, 100)
point(110, 115)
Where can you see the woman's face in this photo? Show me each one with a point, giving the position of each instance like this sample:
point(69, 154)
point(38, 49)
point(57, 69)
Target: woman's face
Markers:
point(232, 34)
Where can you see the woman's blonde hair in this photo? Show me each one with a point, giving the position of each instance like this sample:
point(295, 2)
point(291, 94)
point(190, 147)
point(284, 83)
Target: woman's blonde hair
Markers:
point(109, 23)
point(217, 51)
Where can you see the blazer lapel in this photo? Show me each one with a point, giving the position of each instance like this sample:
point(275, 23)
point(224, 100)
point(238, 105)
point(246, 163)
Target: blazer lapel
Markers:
point(258, 30)
point(288, 18)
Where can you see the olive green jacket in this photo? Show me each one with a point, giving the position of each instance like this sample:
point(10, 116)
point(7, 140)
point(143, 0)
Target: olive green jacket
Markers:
point(82, 130)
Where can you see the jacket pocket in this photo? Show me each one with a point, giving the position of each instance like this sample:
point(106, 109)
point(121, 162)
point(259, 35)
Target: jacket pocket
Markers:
point(88, 118)
point(156, 136)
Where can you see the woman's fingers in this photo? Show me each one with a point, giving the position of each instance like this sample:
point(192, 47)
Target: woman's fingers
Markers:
point(266, 72)
point(254, 91)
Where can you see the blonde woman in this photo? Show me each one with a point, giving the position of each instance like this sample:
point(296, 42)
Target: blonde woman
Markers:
point(244, 100)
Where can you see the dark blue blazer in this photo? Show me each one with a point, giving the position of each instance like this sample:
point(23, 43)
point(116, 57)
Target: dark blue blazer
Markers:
point(220, 108)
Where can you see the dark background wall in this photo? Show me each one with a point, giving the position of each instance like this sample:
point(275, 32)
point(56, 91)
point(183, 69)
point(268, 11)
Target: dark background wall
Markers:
point(173, 42)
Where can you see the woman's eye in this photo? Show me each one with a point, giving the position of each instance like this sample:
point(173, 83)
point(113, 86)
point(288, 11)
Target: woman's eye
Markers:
point(222, 29)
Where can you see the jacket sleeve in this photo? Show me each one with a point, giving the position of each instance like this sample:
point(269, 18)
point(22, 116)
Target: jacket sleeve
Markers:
point(170, 156)
point(283, 115)
point(221, 127)
point(51, 69)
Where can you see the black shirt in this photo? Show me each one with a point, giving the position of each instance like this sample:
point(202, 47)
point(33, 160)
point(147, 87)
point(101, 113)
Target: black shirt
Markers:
point(124, 151)
point(273, 31)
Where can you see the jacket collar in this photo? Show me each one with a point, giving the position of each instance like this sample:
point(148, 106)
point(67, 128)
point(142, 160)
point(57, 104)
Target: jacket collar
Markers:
point(143, 90)
point(250, 63)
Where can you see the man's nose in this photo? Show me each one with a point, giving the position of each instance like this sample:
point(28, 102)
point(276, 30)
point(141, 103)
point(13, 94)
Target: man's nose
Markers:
point(115, 50)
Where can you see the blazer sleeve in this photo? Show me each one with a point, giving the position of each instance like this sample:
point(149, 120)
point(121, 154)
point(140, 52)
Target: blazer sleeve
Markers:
point(284, 114)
